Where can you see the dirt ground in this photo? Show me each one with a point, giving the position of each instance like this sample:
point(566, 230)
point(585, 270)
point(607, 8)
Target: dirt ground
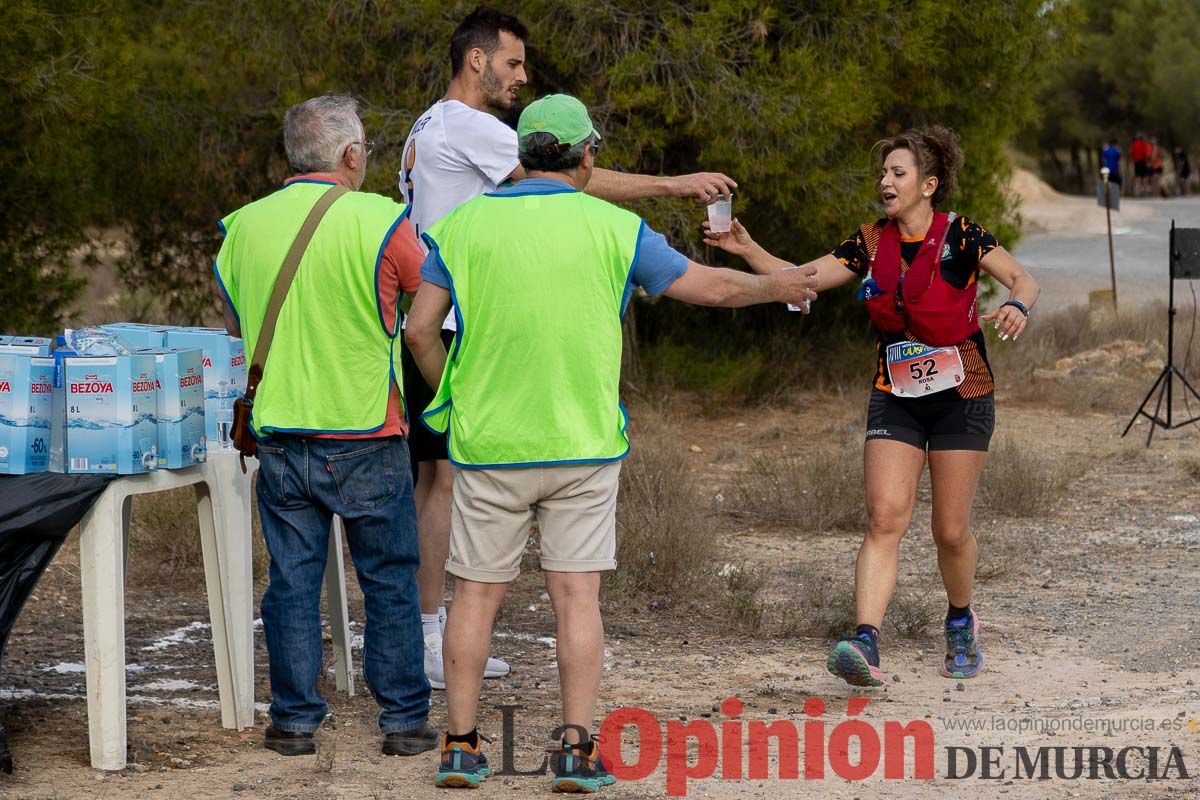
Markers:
point(1090, 620)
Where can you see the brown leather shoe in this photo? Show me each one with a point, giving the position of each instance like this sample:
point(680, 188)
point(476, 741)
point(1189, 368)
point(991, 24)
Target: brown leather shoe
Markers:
point(289, 743)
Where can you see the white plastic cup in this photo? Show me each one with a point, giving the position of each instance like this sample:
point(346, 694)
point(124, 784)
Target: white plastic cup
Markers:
point(720, 214)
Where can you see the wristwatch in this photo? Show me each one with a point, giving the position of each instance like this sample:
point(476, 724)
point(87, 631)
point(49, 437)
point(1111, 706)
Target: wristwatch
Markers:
point(1018, 305)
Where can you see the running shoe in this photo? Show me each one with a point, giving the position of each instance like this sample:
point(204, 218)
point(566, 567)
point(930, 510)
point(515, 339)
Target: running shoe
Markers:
point(855, 660)
point(462, 766)
point(495, 668)
point(578, 769)
point(963, 659)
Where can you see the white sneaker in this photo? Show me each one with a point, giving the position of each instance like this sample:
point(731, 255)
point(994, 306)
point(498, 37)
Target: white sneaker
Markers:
point(495, 668)
point(435, 672)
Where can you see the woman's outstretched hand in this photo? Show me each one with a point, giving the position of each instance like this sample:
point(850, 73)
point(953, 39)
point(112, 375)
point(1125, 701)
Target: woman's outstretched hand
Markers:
point(737, 241)
point(1009, 322)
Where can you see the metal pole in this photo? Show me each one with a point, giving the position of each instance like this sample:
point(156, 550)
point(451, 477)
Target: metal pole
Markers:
point(1112, 266)
point(1171, 322)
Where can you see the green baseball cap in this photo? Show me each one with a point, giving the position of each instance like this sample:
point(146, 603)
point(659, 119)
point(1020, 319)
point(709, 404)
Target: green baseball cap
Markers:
point(559, 114)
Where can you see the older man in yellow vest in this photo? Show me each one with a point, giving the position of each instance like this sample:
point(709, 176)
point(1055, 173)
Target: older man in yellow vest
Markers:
point(540, 275)
point(330, 422)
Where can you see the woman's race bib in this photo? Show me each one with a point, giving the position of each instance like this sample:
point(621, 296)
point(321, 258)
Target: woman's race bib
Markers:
point(917, 370)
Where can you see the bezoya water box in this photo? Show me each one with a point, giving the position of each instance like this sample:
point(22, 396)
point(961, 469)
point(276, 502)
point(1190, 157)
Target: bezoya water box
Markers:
point(26, 392)
point(137, 335)
point(224, 377)
point(179, 380)
point(26, 345)
point(112, 407)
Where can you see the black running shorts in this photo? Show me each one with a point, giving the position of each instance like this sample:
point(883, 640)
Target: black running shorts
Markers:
point(937, 423)
point(423, 444)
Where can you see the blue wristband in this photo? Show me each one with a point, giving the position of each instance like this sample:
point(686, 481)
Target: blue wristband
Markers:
point(1018, 305)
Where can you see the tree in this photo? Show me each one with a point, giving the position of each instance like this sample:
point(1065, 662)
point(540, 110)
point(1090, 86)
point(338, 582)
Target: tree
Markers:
point(1136, 68)
point(786, 96)
point(64, 71)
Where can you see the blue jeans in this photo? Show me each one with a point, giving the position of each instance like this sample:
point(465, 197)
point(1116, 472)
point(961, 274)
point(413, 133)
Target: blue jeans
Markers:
point(302, 483)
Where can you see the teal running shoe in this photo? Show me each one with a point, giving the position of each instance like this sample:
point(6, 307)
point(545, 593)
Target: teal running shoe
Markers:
point(578, 769)
point(855, 660)
point(462, 766)
point(963, 659)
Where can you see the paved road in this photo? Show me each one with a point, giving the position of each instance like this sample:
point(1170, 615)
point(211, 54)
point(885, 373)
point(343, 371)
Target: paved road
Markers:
point(1070, 264)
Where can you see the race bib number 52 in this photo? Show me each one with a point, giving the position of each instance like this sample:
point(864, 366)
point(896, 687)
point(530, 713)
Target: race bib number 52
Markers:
point(918, 370)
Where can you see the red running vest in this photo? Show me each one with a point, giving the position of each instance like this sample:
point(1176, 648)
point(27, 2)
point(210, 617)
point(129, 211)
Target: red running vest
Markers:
point(922, 301)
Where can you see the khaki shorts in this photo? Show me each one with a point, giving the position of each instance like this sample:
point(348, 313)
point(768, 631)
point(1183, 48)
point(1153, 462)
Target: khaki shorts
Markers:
point(493, 510)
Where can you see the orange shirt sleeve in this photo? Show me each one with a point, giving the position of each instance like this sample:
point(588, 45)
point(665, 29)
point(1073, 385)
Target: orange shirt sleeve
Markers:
point(399, 271)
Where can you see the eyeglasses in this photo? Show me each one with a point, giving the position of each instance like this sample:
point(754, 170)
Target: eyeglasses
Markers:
point(368, 147)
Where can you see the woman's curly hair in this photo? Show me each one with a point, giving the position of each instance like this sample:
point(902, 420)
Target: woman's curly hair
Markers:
point(937, 152)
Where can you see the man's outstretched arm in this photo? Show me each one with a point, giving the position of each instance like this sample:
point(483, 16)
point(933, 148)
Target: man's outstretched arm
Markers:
point(618, 187)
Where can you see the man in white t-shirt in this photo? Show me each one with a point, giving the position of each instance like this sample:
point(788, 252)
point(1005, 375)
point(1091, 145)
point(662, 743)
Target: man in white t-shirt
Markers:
point(457, 150)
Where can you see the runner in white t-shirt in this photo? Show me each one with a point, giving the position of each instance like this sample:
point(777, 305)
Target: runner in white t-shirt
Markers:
point(457, 150)
point(454, 153)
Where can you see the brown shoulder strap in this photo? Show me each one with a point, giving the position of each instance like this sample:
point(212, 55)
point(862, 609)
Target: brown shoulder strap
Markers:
point(283, 281)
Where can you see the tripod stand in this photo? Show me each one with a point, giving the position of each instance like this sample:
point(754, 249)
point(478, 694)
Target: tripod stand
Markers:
point(1184, 264)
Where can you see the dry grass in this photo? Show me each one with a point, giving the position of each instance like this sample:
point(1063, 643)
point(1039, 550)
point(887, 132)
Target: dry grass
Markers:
point(742, 599)
point(1071, 331)
point(814, 604)
point(1020, 483)
point(819, 491)
point(1005, 549)
point(817, 606)
point(1131, 452)
point(164, 524)
point(914, 612)
point(1190, 467)
point(666, 529)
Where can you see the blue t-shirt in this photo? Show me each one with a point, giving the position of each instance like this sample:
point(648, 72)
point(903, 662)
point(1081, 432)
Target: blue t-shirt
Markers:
point(656, 264)
point(1112, 158)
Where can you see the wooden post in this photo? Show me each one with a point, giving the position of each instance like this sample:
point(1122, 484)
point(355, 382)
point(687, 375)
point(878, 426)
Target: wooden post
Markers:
point(1112, 265)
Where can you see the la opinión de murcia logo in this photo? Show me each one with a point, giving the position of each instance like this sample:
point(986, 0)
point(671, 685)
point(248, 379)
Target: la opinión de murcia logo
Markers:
point(852, 749)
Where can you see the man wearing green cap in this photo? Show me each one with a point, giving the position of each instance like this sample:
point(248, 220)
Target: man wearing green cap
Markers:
point(539, 274)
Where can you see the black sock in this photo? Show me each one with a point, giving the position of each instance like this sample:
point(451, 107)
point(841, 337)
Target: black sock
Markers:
point(868, 630)
point(584, 745)
point(956, 614)
point(869, 635)
point(471, 738)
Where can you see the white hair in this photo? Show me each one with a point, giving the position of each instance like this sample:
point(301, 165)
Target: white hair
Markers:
point(317, 131)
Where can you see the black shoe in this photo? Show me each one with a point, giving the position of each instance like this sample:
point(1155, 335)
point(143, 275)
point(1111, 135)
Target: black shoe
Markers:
point(288, 743)
point(409, 743)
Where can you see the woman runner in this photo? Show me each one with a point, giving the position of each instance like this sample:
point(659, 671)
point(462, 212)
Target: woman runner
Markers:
point(933, 390)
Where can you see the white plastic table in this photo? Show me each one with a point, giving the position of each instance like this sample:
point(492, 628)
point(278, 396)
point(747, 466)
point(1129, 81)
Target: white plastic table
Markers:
point(223, 496)
point(339, 617)
point(223, 506)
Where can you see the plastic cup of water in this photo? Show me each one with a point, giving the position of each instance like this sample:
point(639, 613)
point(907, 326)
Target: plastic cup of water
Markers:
point(720, 214)
point(807, 303)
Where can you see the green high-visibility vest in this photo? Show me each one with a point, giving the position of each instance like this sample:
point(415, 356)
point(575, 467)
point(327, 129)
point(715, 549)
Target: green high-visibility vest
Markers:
point(538, 281)
point(333, 359)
